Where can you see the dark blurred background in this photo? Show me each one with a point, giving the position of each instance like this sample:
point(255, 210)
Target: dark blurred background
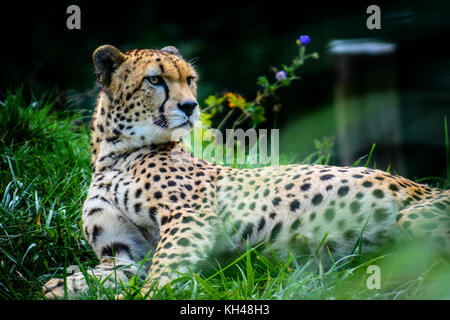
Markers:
point(388, 86)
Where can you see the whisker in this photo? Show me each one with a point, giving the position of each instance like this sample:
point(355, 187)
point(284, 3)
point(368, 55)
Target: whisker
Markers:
point(194, 60)
point(161, 122)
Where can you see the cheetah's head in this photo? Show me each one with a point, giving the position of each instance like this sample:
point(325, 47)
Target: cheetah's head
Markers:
point(147, 94)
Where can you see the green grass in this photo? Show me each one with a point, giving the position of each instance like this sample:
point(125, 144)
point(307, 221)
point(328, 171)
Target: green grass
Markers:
point(44, 177)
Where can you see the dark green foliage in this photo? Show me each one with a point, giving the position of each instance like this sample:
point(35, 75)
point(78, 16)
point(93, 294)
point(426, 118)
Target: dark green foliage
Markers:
point(44, 175)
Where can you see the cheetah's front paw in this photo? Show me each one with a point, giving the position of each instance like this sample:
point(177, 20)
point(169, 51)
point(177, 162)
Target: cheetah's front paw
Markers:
point(54, 289)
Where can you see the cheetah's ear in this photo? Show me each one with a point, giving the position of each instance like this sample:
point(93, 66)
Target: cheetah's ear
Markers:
point(106, 60)
point(172, 50)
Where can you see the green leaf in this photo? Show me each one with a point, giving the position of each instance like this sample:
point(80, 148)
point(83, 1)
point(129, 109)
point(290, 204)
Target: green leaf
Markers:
point(257, 113)
point(213, 100)
point(263, 81)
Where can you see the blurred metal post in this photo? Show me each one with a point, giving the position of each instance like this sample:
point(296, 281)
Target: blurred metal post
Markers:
point(366, 101)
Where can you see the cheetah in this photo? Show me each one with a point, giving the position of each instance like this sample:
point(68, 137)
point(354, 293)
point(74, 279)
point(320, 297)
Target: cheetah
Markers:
point(150, 197)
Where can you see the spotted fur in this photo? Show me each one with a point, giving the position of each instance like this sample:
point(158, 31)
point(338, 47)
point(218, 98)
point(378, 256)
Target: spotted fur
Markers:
point(148, 194)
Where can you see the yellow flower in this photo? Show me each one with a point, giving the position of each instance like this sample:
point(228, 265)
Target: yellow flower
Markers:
point(235, 100)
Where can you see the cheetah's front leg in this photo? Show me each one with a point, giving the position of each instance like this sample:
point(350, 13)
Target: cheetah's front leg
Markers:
point(118, 244)
point(187, 238)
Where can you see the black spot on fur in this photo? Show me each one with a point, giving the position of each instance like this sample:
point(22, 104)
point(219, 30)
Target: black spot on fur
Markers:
point(439, 205)
point(137, 207)
point(276, 201)
point(294, 205)
point(378, 193)
point(261, 223)
point(393, 187)
point(326, 177)
point(114, 249)
point(152, 213)
point(329, 214)
point(94, 210)
point(305, 187)
point(289, 186)
point(342, 191)
point(138, 193)
point(167, 245)
point(96, 232)
point(380, 214)
point(367, 184)
point(355, 206)
point(295, 224)
point(247, 231)
point(184, 242)
point(276, 231)
point(317, 199)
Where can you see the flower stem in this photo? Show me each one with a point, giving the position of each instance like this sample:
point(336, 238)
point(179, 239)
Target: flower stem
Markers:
point(209, 107)
point(225, 119)
point(241, 119)
point(302, 53)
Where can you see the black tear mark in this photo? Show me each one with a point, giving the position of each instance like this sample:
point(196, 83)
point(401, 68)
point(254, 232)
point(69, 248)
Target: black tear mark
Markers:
point(166, 91)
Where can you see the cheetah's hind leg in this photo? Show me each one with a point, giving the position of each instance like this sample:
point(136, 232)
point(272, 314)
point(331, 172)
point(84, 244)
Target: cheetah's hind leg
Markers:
point(429, 220)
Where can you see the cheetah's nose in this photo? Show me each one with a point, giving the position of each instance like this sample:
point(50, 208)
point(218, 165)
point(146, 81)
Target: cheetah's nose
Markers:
point(187, 107)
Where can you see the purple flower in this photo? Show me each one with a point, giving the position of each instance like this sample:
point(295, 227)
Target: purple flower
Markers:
point(281, 75)
point(304, 40)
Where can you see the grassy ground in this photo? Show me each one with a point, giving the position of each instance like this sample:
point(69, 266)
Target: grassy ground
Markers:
point(44, 177)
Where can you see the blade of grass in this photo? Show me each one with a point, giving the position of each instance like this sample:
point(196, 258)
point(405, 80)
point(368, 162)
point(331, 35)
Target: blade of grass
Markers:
point(370, 155)
point(447, 149)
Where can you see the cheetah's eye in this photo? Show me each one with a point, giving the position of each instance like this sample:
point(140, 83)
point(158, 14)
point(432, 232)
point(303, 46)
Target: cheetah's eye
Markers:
point(189, 80)
point(155, 80)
